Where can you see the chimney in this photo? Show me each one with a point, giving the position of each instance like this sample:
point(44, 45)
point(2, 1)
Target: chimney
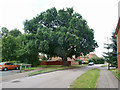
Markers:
point(118, 9)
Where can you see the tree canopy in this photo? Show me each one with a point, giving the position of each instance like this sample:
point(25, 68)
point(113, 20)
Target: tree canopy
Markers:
point(60, 33)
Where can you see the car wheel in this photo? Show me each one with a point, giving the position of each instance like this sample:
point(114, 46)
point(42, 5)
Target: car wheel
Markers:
point(17, 68)
point(5, 69)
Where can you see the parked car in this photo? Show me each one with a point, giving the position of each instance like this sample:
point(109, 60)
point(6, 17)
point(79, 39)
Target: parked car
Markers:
point(6, 66)
point(90, 63)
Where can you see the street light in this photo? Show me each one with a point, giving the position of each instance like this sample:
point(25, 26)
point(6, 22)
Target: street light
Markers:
point(108, 53)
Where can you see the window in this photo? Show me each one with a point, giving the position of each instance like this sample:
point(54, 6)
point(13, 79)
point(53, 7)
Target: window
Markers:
point(1, 63)
point(82, 57)
point(8, 64)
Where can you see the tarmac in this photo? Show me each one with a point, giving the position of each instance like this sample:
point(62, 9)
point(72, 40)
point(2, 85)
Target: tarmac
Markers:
point(107, 79)
point(16, 76)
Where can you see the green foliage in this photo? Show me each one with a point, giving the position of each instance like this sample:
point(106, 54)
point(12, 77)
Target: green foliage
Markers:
point(8, 48)
point(116, 73)
point(97, 60)
point(19, 47)
point(80, 62)
point(4, 31)
point(61, 33)
point(15, 32)
point(44, 58)
point(111, 57)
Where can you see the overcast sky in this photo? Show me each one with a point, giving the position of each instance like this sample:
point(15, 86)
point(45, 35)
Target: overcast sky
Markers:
point(101, 15)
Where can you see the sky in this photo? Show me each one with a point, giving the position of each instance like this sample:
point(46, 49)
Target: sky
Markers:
point(101, 15)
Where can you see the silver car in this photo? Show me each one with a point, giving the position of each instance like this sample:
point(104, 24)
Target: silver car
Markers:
point(90, 63)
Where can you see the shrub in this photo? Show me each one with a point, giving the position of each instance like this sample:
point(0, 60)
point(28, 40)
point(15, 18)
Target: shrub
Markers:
point(97, 60)
point(80, 62)
point(44, 59)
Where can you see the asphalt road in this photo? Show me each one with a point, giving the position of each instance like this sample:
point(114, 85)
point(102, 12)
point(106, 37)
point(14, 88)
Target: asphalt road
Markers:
point(9, 72)
point(57, 79)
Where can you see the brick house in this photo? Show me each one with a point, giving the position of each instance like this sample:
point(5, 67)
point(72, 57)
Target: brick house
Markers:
point(117, 33)
point(87, 57)
point(73, 62)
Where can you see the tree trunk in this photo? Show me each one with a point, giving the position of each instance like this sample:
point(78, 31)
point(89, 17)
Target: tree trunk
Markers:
point(65, 62)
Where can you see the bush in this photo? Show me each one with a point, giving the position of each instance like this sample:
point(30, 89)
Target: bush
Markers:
point(97, 60)
point(44, 59)
point(80, 62)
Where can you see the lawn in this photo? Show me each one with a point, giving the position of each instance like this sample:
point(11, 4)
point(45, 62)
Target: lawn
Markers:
point(48, 68)
point(115, 72)
point(87, 80)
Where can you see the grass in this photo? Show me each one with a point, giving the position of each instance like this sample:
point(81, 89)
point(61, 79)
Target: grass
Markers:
point(87, 80)
point(104, 65)
point(48, 68)
point(34, 68)
point(115, 72)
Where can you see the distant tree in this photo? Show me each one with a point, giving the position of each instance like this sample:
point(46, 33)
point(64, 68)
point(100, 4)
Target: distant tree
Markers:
point(8, 48)
point(15, 32)
point(97, 60)
point(5, 31)
point(111, 57)
point(61, 33)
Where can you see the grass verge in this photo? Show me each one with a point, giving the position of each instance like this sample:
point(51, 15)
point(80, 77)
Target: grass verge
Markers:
point(34, 68)
point(105, 65)
point(115, 72)
point(49, 68)
point(87, 80)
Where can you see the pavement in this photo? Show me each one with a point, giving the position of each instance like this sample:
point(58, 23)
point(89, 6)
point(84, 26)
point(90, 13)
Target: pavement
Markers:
point(107, 79)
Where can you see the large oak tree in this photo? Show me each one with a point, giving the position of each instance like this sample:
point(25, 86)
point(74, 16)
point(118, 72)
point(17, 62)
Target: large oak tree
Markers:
point(62, 33)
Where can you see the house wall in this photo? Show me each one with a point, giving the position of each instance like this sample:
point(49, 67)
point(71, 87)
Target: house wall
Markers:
point(74, 63)
point(118, 48)
point(87, 57)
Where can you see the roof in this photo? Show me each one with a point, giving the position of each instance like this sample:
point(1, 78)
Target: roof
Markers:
point(117, 28)
point(92, 55)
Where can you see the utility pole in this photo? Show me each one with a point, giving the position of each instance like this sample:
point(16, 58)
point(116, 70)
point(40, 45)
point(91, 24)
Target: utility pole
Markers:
point(108, 53)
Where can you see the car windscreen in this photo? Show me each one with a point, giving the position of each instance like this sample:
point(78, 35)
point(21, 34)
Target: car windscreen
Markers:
point(8, 64)
point(1, 63)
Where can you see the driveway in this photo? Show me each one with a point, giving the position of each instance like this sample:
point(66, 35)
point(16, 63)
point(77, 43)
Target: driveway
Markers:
point(57, 79)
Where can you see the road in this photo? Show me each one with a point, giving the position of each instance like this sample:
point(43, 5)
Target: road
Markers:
point(57, 79)
point(9, 72)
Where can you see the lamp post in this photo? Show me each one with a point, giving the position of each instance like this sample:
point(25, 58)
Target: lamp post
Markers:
point(108, 54)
